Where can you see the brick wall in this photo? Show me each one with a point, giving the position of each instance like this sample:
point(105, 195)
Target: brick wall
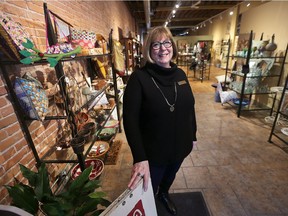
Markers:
point(97, 16)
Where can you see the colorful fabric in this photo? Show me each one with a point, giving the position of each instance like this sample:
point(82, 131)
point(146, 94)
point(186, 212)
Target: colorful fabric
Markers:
point(12, 34)
point(83, 35)
point(32, 97)
point(83, 43)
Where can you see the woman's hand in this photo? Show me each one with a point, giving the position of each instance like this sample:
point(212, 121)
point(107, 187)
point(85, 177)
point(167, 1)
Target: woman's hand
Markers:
point(140, 170)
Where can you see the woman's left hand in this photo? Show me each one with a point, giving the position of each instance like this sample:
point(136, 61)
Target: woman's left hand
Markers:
point(140, 170)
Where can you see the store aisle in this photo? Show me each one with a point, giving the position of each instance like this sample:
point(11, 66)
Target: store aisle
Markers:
point(233, 165)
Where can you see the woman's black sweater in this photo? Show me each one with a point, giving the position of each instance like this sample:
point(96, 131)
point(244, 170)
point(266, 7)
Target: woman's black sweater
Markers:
point(152, 131)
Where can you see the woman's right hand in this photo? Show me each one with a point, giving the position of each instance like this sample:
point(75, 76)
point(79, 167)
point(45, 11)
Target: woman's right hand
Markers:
point(140, 170)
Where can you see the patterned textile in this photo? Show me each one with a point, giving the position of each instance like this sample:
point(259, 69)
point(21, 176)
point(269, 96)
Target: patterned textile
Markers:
point(32, 97)
point(12, 34)
point(83, 35)
point(83, 43)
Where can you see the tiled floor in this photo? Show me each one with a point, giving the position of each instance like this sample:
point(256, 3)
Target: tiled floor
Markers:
point(238, 171)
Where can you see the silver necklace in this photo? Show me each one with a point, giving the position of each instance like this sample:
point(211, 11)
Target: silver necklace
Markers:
point(172, 108)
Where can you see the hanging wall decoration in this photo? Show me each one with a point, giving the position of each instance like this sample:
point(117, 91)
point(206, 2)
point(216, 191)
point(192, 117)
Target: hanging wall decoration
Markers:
point(32, 54)
point(12, 34)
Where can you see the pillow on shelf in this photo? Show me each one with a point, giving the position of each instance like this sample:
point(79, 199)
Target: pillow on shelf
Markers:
point(32, 97)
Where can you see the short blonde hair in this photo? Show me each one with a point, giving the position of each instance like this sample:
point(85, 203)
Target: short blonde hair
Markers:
point(153, 34)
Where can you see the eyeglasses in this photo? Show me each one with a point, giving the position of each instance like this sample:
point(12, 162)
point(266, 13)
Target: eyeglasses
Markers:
point(157, 45)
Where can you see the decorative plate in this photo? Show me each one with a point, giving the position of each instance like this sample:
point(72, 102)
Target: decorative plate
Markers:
point(98, 149)
point(245, 102)
point(98, 167)
point(284, 131)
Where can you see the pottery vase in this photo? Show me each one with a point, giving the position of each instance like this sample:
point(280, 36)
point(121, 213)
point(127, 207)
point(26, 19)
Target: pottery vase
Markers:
point(92, 126)
point(271, 46)
point(262, 46)
point(77, 144)
point(86, 134)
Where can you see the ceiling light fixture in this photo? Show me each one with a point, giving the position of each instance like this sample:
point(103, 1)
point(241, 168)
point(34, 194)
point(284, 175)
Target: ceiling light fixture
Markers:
point(172, 13)
point(231, 13)
point(210, 20)
point(248, 4)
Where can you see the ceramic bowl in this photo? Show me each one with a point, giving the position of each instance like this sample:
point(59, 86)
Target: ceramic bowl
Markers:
point(245, 102)
point(98, 149)
point(98, 167)
point(107, 133)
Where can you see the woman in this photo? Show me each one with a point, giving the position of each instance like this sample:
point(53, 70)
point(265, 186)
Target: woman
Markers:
point(159, 116)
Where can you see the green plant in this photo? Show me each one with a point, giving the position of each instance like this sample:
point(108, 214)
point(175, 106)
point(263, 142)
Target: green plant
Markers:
point(80, 198)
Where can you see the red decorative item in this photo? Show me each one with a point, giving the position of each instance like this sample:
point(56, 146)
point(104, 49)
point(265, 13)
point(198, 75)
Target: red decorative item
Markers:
point(98, 167)
point(41, 55)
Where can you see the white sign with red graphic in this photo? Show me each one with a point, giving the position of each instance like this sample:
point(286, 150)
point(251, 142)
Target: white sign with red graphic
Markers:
point(133, 203)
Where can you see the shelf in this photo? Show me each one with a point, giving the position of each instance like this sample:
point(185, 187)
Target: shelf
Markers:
point(254, 78)
point(251, 107)
point(257, 57)
point(69, 156)
point(46, 62)
point(67, 114)
point(277, 133)
point(92, 101)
